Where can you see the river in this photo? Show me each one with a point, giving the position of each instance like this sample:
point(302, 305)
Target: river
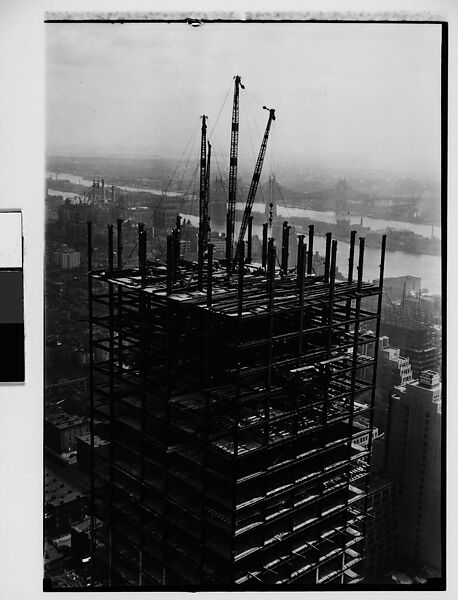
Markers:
point(397, 263)
point(285, 212)
point(328, 216)
point(426, 266)
point(88, 183)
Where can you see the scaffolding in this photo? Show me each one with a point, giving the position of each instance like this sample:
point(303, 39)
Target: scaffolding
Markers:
point(231, 404)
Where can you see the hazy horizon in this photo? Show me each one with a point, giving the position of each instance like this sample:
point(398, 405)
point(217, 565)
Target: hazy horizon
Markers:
point(366, 96)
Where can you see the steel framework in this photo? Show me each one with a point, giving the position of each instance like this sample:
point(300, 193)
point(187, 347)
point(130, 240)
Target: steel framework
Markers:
point(231, 413)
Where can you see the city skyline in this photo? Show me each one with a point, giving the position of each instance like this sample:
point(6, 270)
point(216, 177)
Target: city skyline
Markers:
point(217, 423)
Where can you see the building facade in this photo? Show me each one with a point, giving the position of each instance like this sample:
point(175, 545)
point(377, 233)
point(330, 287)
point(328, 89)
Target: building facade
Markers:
point(414, 459)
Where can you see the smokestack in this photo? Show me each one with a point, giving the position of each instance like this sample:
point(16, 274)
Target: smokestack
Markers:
point(103, 190)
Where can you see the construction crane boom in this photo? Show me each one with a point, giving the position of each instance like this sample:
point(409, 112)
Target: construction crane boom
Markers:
point(230, 219)
point(254, 186)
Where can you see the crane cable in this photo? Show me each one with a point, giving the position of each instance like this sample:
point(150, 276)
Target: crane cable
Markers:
point(187, 163)
point(186, 149)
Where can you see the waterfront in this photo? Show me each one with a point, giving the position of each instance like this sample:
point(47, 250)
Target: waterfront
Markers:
point(328, 216)
point(76, 179)
point(397, 263)
point(284, 211)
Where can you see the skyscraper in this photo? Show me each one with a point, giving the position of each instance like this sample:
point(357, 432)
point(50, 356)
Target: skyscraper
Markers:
point(414, 460)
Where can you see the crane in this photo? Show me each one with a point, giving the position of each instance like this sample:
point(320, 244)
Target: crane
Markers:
point(203, 204)
point(207, 199)
point(253, 186)
point(230, 219)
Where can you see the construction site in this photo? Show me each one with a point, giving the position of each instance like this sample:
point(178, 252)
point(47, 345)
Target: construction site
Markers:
point(233, 395)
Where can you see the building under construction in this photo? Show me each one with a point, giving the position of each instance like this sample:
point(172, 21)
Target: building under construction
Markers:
point(231, 394)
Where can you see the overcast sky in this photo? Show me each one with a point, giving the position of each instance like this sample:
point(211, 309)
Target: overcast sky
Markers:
point(354, 94)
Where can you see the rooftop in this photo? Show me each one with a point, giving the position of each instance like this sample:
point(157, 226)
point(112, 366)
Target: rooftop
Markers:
point(57, 492)
point(63, 420)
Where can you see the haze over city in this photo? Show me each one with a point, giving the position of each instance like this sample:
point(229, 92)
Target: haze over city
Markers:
point(243, 380)
point(349, 95)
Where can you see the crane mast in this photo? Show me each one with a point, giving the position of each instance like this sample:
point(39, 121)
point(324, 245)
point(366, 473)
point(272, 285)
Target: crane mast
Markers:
point(253, 187)
point(207, 198)
point(230, 219)
point(203, 202)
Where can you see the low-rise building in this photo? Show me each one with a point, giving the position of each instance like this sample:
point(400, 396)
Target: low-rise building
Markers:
point(62, 430)
point(67, 258)
point(64, 505)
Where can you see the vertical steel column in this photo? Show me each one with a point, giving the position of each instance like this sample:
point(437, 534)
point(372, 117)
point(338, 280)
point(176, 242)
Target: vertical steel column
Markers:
point(119, 241)
point(119, 266)
point(178, 246)
point(91, 399)
point(271, 256)
point(310, 254)
point(325, 370)
point(302, 253)
point(250, 240)
point(169, 264)
point(209, 274)
point(142, 255)
point(285, 247)
point(376, 347)
point(175, 252)
point(169, 344)
point(143, 377)
point(206, 432)
point(351, 260)
point(270, 303)
point(327, 258)
point(111, 388)
point(235, 427)
point(264, 245)
point(240, 284)
point(354, 364)
point(110, 248)
point(139, 242)
point(331, 297)
point(301, 258)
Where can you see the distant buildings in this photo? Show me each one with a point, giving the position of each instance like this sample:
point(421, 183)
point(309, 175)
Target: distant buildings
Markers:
point(62, 430)
point(67, 258)
point(400, 288)
point(394, 370)
point(416, 337)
